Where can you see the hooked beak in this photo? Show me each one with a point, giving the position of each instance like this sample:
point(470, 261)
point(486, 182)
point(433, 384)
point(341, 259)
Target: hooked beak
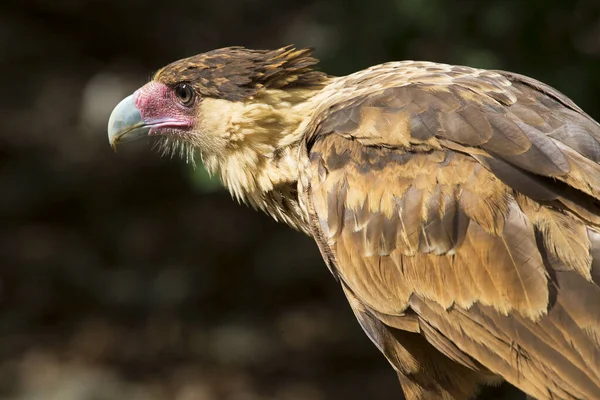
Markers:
point(126, 124)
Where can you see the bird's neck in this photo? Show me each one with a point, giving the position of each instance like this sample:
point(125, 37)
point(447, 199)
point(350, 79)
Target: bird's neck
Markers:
point(260, 166)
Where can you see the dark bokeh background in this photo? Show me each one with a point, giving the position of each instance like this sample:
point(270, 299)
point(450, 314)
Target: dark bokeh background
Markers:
point(128, 276)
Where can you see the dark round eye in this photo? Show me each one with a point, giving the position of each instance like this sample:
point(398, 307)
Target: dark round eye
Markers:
point(184, 93)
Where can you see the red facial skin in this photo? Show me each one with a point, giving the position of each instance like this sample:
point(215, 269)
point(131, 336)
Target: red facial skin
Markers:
point(162, 110)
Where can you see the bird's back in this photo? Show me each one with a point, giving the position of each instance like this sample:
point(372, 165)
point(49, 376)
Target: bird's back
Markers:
point(459, 209)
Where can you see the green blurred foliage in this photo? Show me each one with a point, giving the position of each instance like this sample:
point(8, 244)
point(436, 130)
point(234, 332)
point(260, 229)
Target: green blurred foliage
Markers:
point(205, 182)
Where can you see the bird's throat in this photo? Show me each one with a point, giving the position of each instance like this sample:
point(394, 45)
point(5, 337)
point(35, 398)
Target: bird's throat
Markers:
point(259, 164)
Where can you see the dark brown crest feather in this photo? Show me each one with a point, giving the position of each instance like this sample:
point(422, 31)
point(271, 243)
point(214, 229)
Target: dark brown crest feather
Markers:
point(236, 73)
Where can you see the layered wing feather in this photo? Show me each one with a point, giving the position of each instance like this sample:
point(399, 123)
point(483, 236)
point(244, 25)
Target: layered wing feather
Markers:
point(461, 207)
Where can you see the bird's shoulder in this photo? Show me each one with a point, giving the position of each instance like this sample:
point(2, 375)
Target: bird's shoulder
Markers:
point(496, 117)
point(388, 84)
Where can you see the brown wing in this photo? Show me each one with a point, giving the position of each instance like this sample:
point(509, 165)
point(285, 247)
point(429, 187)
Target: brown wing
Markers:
point(465, 221)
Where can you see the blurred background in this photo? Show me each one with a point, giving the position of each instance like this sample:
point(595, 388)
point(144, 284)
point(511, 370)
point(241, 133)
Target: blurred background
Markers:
point(130, 276)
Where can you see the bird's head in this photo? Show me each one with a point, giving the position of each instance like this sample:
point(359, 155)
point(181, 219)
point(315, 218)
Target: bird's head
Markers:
point(236, 107)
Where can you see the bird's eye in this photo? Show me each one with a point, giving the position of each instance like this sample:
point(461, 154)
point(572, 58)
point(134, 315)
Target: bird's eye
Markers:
point(185, 94)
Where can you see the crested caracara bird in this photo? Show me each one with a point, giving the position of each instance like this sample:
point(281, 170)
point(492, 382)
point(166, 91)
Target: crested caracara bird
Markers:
point(458, 208)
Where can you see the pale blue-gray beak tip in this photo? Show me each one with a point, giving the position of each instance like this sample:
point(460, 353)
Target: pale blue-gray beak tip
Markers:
point(126, 123)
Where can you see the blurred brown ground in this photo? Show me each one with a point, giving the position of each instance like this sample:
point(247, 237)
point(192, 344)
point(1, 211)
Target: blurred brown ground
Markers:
point(128, 276)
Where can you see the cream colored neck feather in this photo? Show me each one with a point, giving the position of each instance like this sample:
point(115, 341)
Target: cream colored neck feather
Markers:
point(257, 153)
